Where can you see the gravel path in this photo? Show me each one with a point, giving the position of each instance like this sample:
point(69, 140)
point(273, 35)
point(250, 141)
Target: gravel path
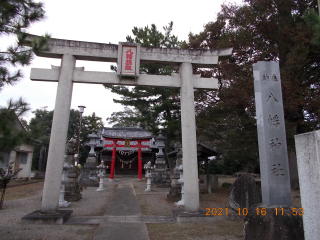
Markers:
point(28, 199)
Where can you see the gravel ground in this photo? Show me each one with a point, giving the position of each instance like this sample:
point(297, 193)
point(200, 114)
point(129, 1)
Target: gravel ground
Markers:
point(22, 200)
point(92, 203)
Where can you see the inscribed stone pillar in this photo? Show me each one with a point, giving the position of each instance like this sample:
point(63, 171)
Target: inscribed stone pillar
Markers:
point(275, 179)
point(51, 190)
point(308, 156)
point(189, 144)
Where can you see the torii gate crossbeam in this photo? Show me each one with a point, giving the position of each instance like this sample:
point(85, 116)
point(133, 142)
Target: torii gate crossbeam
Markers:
point(67, 74)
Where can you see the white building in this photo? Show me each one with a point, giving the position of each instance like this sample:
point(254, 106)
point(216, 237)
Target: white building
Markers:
point(21, 156)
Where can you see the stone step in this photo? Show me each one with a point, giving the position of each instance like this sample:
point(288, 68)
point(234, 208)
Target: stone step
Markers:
point(111, 219)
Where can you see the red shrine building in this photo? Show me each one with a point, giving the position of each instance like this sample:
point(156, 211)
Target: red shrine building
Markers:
point(125, 150)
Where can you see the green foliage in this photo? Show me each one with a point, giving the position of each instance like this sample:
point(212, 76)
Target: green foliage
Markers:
point(92, 123)
point(127, 118)
point(269, 30)
point(40, 127)
point(12, 133)
point(15, 17)
point(153, 108)
point(313, 20)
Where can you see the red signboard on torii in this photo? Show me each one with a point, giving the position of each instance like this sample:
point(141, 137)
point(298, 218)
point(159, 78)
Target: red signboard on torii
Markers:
point(114, 145)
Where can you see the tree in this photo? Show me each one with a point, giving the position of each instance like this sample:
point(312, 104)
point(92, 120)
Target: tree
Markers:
point(7, 176)
point(12, 136)
point(40, 127)
point(15, 17)
point(153, 108)
point(258, 30)
point(92, 123)
point(127, 118)
point(313, 20)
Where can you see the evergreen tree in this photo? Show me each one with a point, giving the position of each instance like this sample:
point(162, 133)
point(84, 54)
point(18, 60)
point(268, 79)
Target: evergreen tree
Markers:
point(40, 127)
point(15, 18)
point(153, 108)
point(258, 30)
point(313, 20)
point(126, 118)
point(12, 135)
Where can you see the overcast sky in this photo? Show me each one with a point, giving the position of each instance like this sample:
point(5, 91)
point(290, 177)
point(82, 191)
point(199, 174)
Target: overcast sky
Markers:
point(104, 22)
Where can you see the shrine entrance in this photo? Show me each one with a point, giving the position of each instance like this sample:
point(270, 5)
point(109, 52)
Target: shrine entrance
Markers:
point(125, 150)
point(126, 143)
point(128, 56)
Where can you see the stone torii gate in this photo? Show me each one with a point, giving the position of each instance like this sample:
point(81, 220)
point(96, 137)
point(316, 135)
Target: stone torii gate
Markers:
point(67, 74)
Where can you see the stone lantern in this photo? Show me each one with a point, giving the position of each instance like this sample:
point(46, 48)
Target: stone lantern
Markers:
point(92, 143)
point(62, 202)
point(88, 172)
point(102, 174)
point(160, 161)
point(180, 170)
point(148, 168)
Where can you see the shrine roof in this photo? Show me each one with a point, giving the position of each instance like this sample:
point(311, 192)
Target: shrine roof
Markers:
point(203, 150)
point(125, 133)
point(132, 133)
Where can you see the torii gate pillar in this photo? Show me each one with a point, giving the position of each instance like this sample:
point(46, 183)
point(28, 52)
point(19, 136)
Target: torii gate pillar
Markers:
point(58, 136)
point(68, 74)
point(189, 142)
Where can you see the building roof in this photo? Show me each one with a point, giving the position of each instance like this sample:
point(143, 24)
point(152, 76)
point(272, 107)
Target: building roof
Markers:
point(132, 133)
point(125, 133)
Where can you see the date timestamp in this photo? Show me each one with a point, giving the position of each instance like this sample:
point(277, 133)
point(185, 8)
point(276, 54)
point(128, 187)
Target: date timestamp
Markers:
point(258, 211)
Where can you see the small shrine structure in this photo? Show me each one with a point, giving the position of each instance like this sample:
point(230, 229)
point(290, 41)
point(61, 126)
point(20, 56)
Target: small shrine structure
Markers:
point(125, 150)
point(203, 154)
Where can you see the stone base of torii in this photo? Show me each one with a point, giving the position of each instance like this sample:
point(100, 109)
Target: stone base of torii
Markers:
point(70, 51)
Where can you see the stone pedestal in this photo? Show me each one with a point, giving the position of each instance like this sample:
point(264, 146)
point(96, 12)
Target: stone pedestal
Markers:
point(72, 186)
point(175, 187)
point(160, 174)
point(58, 218)
point(72, 189)
point(213, 184)
point(266, 222)
point(88, 175)
point(161, 177)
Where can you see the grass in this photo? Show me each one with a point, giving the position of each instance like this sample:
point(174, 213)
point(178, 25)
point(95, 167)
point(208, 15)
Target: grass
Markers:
point(23, 191)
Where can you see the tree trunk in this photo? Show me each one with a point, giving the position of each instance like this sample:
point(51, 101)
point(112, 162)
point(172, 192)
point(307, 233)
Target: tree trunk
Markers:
point(2, 196)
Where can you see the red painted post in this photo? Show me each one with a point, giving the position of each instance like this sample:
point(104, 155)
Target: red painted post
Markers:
point(139, 161)
point(113, 160)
